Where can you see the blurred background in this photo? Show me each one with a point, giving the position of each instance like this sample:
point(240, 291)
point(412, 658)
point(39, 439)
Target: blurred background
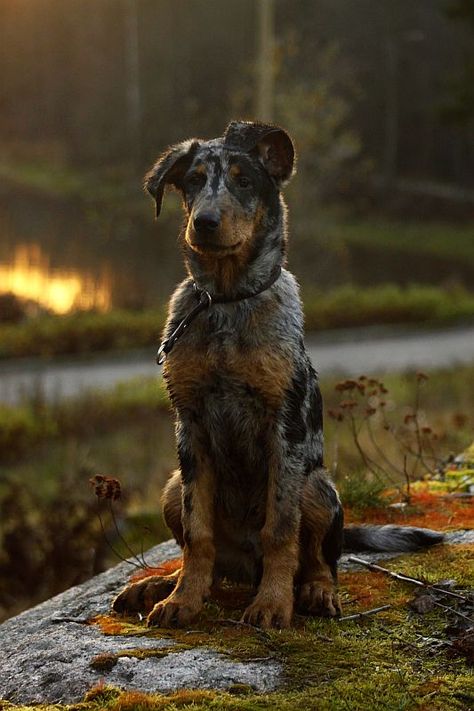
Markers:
point(379, 98)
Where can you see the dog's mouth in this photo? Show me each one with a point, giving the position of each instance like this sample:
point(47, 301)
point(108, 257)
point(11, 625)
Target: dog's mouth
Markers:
point(206, 246)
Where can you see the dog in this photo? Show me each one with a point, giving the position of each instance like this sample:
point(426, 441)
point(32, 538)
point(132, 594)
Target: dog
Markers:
point(251, 502)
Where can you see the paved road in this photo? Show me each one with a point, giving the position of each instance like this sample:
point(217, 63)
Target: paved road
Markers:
point(346, 353)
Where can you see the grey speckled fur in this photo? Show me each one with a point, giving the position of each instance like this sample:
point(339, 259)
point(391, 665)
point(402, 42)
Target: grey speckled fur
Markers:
point(252, 501)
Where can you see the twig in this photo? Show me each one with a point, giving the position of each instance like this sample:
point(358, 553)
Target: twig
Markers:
point(453, 610)
point(358, 615)
point(405, 578)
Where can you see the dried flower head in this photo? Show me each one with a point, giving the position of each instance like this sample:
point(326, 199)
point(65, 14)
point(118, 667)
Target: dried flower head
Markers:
point(348, 404)
point(335, 414)
point(346, 385)
point(421, 376)
point(106, 487)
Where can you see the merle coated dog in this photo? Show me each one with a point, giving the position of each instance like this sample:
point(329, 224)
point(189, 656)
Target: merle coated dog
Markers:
point(251, 501)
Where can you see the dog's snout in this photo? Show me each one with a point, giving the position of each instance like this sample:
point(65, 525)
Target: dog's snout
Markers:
point(206, 222)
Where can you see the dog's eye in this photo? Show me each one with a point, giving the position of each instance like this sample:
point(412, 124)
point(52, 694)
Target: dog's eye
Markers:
point(195, 179)
point(243, 181)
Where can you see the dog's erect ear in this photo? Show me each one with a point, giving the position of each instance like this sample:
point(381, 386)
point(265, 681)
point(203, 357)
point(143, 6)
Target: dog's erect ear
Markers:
point(272, 143)
point(170, 169)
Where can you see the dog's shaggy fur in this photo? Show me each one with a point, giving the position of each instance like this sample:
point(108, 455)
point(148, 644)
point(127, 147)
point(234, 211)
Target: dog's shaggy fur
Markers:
point(251, 502)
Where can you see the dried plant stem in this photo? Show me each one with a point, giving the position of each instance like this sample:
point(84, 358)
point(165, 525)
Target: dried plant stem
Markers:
point(371, 465)
point(114, 551)
point(358, 615)
point(379, 449)
point(141, 561)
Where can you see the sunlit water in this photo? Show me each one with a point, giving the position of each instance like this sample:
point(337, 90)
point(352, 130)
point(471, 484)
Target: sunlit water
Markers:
point(64, 257)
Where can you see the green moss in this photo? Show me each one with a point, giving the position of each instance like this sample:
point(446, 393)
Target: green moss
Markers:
point(381, 662)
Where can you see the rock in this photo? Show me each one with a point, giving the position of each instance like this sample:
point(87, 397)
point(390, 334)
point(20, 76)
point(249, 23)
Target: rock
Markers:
point(49, 653)
point(46, 652)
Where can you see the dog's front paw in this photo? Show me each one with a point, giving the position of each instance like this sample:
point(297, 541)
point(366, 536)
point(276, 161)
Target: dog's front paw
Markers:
point(142, 595)
point(175, 611)
point(266, 612)
point(319, 597)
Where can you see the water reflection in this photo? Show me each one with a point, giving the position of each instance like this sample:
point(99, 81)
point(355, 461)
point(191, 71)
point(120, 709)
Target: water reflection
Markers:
point(30, 275)
point(67, 256)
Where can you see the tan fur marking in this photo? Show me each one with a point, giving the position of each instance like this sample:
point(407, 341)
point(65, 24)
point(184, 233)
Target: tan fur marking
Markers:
point(317, 588)
point(195, 577)
point(171, 501)
point(266, 371)
point(236, 228)
point(273, 604)
point(185, 371)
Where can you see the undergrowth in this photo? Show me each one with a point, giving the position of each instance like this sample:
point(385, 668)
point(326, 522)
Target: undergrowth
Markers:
point(345, 307)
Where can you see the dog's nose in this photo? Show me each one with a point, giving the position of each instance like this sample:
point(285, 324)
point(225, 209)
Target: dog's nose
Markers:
point(206, 222)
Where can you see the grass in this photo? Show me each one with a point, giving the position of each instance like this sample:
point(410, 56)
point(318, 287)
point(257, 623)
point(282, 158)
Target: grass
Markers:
point(89, 332)
point(54, 179)
point(445, 240)
point(22, 427)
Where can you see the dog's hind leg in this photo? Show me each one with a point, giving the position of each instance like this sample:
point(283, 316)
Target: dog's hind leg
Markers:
point(143, 595)
point(321, 537)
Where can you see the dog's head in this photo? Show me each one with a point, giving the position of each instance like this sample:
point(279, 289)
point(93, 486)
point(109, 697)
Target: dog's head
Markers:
point(230, 185)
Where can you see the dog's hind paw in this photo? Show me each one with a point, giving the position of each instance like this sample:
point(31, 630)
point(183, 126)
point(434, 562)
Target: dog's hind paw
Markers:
point(144, 594)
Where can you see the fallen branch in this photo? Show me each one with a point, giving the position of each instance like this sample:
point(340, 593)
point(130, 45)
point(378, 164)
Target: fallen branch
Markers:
point(405, 578)
point(358, 615)
point(453, 610)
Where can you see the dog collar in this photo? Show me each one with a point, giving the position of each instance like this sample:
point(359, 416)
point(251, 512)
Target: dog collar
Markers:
point(205, 300)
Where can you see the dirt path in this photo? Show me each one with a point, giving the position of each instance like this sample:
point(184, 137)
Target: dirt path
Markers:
point(347, 353)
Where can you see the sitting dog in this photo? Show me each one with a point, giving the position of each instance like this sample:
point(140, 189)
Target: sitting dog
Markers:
point(251, 501)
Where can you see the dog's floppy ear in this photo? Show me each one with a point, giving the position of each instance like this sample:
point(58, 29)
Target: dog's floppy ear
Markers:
point(170, 169)
point(272, 143)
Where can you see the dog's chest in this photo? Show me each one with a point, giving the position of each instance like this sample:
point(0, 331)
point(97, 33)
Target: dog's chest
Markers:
point(227, 361)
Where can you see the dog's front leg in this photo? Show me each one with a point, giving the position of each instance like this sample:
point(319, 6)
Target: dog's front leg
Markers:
point(196, 574)
point(273, 604)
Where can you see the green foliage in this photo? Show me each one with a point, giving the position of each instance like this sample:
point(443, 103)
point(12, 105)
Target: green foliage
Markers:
point(317, 111)
point(350, 306)
point(46, 546)
point(360, 492)
point(22, 427)
point(408, 237)
point(81, 333)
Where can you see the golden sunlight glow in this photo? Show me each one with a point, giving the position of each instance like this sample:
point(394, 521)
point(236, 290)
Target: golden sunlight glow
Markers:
point(30, 276)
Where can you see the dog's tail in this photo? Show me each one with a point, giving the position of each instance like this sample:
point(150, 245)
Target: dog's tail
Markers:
point(389, 538)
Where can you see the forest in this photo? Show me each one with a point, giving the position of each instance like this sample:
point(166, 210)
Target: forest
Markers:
point(381, 88)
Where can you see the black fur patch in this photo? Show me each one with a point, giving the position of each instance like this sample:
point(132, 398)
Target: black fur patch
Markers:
point(294, 424)
point(187, 463)
point(315, 412)
point(332, 541)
